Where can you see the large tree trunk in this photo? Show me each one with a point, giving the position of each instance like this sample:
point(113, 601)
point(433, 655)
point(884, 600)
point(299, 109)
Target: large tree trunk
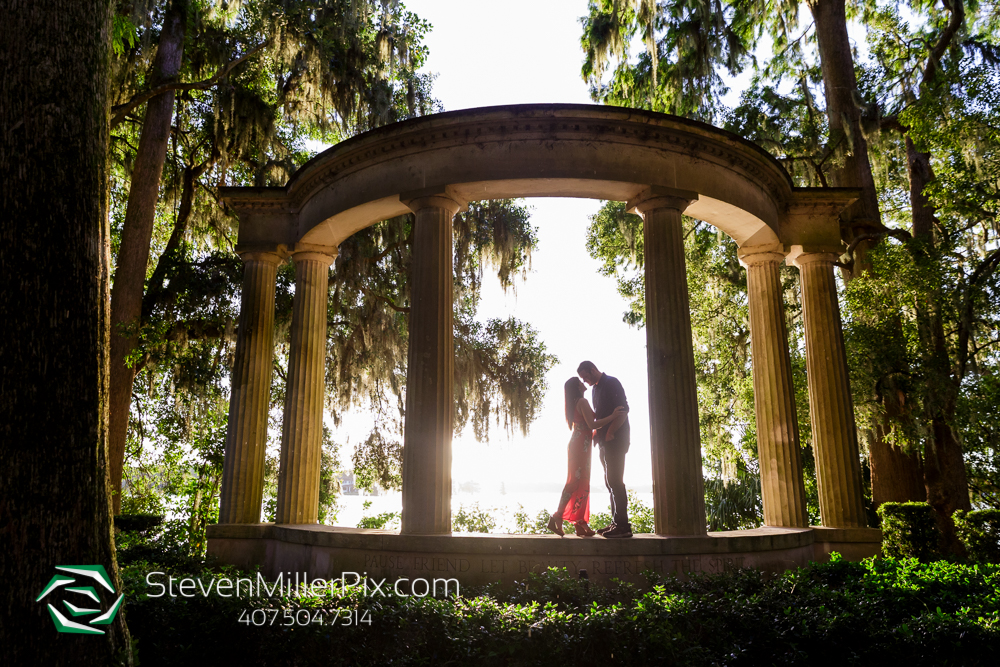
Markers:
point(897, 476)
point(54, 492)
point(137, 232)
point(893, 471)
point(843, 114)
point(944, 470)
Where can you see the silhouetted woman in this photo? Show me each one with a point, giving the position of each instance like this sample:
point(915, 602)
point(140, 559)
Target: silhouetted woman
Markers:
point(574, 504)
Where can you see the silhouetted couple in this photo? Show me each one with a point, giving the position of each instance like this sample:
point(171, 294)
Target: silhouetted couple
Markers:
point(607, 424)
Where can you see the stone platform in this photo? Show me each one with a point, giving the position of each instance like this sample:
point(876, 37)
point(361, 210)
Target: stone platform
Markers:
point(474, 559)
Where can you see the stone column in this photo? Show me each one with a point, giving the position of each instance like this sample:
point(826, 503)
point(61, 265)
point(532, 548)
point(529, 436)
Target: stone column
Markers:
point(678, 485)
point(430, 371)
point(773, 393)
point(246, 431)
point(838, 469)
point(302, 428)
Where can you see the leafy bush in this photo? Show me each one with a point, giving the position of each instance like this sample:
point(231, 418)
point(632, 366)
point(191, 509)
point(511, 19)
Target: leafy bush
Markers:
point(525, 526)
point(383, 521)
point(980, 533)
point(640, 515)
point(909, 530)
point(885, 610)
point(473, 520)
point(734, 504)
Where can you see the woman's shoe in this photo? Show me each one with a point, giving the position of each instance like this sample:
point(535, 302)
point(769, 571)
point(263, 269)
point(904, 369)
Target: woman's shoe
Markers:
point(555, 525)
point(583, 529)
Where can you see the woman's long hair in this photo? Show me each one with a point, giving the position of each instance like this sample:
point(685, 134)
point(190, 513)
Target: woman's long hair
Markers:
point(573, 395)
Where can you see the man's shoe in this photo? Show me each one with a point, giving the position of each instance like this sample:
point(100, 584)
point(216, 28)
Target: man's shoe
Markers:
point(607, 528)
point(619, 531)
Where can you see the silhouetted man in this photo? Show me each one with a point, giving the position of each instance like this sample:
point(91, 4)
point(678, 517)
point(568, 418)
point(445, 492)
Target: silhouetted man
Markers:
point(609, 394)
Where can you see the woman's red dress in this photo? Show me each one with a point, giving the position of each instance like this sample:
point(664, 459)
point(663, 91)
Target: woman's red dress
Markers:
point(578, 507)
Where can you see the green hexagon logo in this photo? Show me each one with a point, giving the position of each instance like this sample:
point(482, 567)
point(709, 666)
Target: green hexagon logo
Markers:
point(82, 598)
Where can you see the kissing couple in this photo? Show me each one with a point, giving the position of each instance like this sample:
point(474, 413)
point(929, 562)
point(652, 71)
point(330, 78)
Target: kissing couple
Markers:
point(607, 425)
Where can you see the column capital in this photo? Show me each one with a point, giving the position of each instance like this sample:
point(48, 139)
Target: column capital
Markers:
point(434, 197)
point(657, 196)
point(799, 255)
point(273, 254)
point(313, 251)
point(753, 255)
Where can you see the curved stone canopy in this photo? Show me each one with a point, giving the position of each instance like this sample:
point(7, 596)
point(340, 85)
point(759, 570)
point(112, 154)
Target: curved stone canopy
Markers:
point(540, 150)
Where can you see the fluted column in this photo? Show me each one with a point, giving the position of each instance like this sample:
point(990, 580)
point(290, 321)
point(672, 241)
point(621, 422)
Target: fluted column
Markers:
point(302, 428)
point(678, 485)
point(838, 469)
point(430, 371)
point(246, 431)
point(781, 482)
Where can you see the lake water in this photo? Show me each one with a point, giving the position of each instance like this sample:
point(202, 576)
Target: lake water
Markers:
point(500, 506)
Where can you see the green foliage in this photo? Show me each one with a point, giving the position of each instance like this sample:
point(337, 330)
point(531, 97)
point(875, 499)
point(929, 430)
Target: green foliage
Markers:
point(980, 434)
point(979, 531)
point(640, 515)
point(473, 520)
point(124, 34)
point(382, 521)
point(378, 462)
point(909, 530)
point(686, 44)
point(524, 525)
point(734, 504)
point(329, 486)
point(883, 610)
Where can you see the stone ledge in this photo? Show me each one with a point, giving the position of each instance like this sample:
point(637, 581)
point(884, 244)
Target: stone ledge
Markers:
point(739, 541)
point(826, 534)
point(328, 551)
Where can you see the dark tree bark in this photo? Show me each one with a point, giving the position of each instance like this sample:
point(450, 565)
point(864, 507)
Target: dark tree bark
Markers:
point(843, 113)
point(944, 465)
point(897, 476)
point(137, 232)
point(893, 471)
point(54, 241)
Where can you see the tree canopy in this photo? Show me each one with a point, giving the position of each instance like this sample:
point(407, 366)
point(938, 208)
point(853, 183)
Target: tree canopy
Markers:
point(255, 87)
point(910, 120)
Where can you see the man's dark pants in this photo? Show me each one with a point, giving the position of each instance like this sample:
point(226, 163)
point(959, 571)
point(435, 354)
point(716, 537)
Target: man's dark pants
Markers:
point(613, 460)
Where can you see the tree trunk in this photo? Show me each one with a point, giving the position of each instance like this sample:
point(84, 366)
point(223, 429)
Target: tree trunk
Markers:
point(137, 232)
point(54, 491)
point(897, 476)
point(893, 471)
point(844, 116)
point(172, 252)
point(944, 470)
